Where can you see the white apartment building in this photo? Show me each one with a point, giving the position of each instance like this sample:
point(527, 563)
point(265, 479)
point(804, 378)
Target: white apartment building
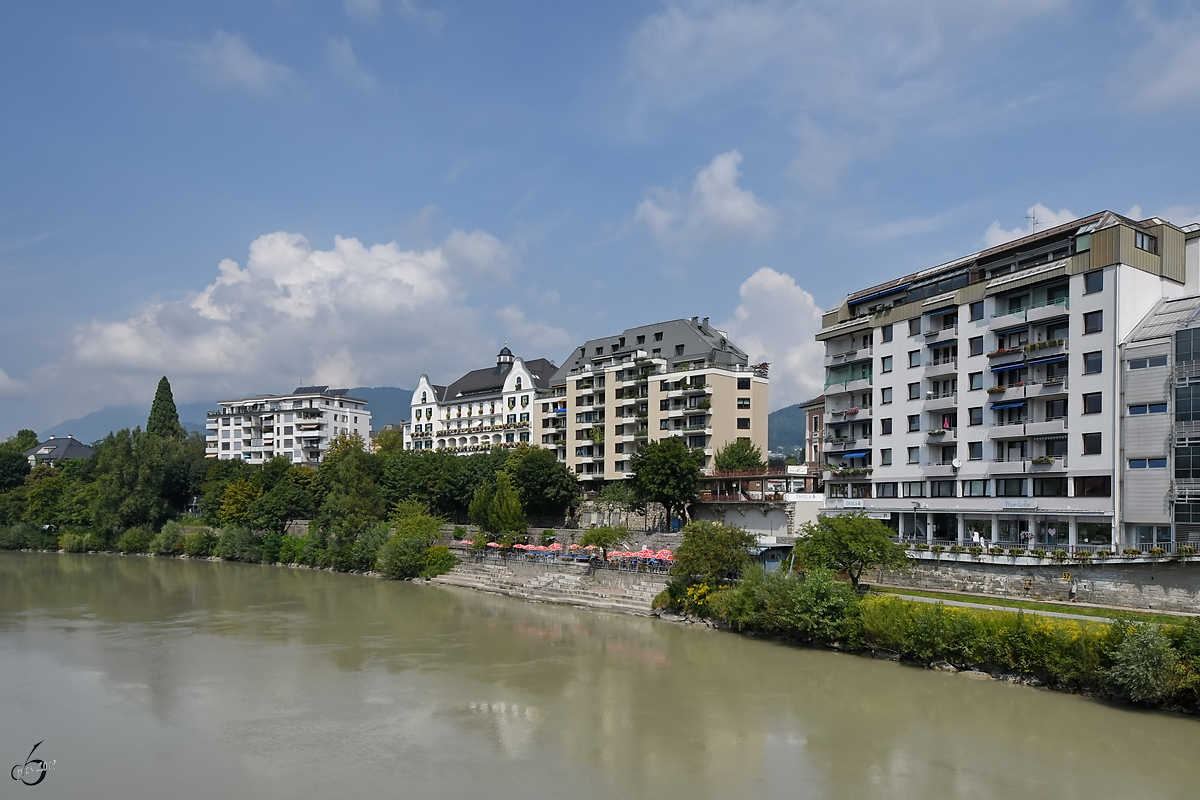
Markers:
point(296, 426)
point(486, 408)
point(676, 378)
point(1008, 393)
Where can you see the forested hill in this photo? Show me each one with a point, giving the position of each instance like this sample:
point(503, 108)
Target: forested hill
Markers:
point(785, 430)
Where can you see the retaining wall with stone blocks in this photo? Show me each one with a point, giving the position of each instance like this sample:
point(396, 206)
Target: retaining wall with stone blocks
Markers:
point(1143, 584)
point(569, 584)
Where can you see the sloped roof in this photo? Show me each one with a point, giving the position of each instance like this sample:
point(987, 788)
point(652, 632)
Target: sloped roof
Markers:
point(491, 379)
point(58, 449)
point(1167, 317)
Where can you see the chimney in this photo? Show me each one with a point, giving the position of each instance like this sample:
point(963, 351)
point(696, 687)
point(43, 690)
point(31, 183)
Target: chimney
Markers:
point(706, 322)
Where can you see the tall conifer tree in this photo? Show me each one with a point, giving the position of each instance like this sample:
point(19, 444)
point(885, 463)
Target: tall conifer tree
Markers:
point(164, 417)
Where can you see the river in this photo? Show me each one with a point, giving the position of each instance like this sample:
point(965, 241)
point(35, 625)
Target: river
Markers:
point(157, 677)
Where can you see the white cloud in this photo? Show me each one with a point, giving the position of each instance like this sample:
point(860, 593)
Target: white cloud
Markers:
point(1165, 71)
point(776, 322)
point(1180, 215)
point(716, 209)
point(546, 341)
point(362, 10)
point(413, 11)
point(294, 314)
point(344, 62)
point(227, 60)
point(1044, 218)
point(847, 71)
point(10, 385)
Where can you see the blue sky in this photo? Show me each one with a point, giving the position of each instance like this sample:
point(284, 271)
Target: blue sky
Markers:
point(247, 196)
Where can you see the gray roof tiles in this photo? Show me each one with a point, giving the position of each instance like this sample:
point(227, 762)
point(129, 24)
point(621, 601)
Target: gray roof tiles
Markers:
point(60, 448)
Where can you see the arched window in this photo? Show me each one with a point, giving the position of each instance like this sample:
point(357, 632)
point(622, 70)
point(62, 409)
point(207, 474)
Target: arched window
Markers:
point(423, 397)
point(518, 384)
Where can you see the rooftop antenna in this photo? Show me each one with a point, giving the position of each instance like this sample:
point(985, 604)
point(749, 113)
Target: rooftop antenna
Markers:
point(1032, 218)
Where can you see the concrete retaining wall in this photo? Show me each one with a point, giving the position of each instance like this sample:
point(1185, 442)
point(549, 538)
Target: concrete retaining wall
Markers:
point(1164, 586)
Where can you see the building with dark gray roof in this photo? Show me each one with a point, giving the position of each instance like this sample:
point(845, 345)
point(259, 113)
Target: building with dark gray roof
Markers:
point(58, 448)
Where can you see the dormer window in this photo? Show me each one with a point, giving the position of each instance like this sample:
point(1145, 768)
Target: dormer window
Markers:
point(424, 397)
point(518, 384)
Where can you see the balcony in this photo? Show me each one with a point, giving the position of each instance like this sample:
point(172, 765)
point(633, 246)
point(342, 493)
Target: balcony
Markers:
point(1047, 463)
point(1046, 427)
point(938, 402)
point(945, 367)
point(1044, 311)
point(697, 389)
point(1048, 388)
point(848, 356)
point(947, 435)
point(997, 394)
point(937, 334)
point(939, 469)
point(1000, 466)
point(1007, 430)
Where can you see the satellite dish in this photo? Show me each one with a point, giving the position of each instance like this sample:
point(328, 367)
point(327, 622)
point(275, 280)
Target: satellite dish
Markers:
point(956, 464)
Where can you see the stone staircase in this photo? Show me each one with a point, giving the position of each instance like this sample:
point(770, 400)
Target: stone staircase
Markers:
point(556, 586)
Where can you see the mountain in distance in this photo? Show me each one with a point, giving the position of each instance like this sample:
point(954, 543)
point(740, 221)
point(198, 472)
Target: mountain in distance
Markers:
point(386, 404)
point(785, 430)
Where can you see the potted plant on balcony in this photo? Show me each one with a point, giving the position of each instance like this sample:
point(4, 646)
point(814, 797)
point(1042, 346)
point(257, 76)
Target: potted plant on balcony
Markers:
point(1103, 554)
point(996, 551)
point(1186, 550)
point(1037, 552)
point(1131, 552)
point(937, 431)
point(1043, 459)
point(852, 411)
point(997, 389)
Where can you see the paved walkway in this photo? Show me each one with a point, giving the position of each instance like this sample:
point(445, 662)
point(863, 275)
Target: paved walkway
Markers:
point(988, 607)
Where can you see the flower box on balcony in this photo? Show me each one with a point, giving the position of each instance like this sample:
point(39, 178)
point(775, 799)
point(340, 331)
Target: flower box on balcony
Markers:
point(853, 411)
point(1043, 460)
point(937, 431)
point(1004, 351)
point(997, 389)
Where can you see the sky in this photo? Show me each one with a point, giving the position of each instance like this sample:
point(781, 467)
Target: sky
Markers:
point(250, 196)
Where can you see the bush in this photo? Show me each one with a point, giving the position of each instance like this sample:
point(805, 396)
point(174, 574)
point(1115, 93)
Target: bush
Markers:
point(201, 544)
point(548, 537)
point(169, 541)
point(135, 540)
point(814, 607)
point(404, 556)
point(438, 561)
point(239, 544)
point(291, 549)
point(12, 538)
point(72, 542)
point(1144, 665)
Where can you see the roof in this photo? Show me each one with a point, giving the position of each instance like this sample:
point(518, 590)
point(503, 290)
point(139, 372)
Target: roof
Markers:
point(490, 380)
point(1167, 317)
point(699, 340)
point(60, 448)
point(819, 400)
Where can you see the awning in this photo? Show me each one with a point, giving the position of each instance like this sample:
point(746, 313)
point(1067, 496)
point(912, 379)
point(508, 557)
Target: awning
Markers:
point(884, 293)
point(1008, 405)
point(1048, 360)
point(858, 454)
point(941, 310)
point(1006, 367)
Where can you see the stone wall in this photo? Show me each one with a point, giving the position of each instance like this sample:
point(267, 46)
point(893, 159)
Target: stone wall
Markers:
point(1144, 584)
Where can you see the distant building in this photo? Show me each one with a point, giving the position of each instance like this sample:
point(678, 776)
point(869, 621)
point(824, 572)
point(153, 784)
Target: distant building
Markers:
point(814, 435)
point(486, 408)
point(676, 378)
point(296, 426)
point(58, 448)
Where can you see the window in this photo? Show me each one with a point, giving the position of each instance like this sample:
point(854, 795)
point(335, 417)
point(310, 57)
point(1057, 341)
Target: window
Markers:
point(1151, 408)
point(975, 451)
point(1056, 409)
point(885, 427)
point(1093, 282)
point(678, 349)
point(658, 336)
point(914, 455)
point(641, 339)
point(885, 333)
point(1056, 448)
point(885, 490)
point(664, 424)
point(1143, 363)
point(664, 405)
point(1049, 487)
point(743, 423)
point(885, 364)
point(524, 417)
point(862, 490)
point(1099, 486)
point(914, 488)
point(743, 384)
point(885, 396)
point(975, 416)
point(914, 391)
point(976, 345)
point(1091, 444)
point(1010, 487)
point(914, 423)
point(1093, 363)
point(974, 488)
point(975, 381)
point(1147, 463)
point(1144, 241)
point(837, 490)
point(914, 358)
point(1093, 322)
point(1093, 403)
point(914, 327)
point(224, 445)
point(977, 311)
point(513, 417)
point(525, 436)
point(885, 457)
point(743, 402)
point(943, 489)
point(656, 352)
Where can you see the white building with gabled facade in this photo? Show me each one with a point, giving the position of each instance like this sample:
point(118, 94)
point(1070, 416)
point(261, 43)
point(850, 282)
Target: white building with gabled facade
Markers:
point(486, 408)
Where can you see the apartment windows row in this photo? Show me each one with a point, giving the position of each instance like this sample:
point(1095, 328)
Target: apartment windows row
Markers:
point(1009, 450)
point(1083, 486)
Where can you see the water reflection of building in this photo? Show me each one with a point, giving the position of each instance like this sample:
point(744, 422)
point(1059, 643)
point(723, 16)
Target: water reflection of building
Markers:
point(1008, 392)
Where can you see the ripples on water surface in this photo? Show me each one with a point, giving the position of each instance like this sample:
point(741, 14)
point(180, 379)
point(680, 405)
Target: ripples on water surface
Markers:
point(190, 679)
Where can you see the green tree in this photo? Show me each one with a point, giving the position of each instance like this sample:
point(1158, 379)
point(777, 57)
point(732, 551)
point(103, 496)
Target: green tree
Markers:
point(740, 454)
point(388, 442)
point(547, 488)
point(406, 554)
point(849, 543)
point(1145, 665)
point(667, 472)
point(13, 464)
point(239, 498)
point(283, 503)
point(164, 417)
point(711, 554)
point(44, 490)
point(616, 498)
point(481, 509)
point(507, 514)
point(605, 537)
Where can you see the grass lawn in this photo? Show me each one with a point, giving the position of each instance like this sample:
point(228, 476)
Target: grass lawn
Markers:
point(1033, 605)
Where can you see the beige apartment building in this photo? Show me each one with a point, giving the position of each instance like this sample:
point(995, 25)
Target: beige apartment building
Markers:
point(614, 395)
